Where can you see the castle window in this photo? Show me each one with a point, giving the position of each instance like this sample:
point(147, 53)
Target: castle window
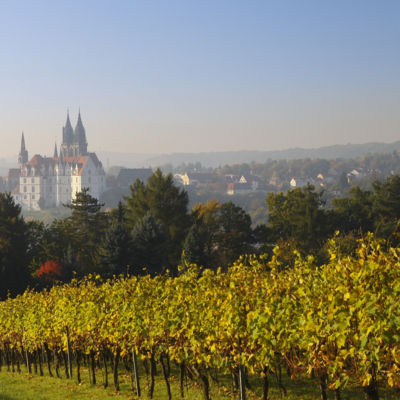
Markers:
point(25, 196)
point(50, 180)
point(66, 190)
point(60, 189)
point(33, 188)
point(24, 180)
point(50, 189)
point(77, 180)
point(25, 189)
point(90, 180)
point(33, 180)
point(33, 197)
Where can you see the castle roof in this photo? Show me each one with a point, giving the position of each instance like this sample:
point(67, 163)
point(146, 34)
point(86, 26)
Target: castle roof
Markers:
point(13, 173)
point(77, 163)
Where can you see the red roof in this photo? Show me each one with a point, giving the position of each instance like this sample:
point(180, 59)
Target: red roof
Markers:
point(45, 162)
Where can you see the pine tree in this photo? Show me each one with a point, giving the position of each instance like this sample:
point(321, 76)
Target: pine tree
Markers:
point(150, 246)
point(194, 247)
point(168, 203)
point(88, 225)
point(14, 260)
point(116, 251)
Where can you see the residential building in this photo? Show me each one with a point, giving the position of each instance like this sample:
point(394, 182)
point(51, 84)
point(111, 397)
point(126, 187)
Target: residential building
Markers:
point(300, 182)
point(239, 188)
point(197, 178)
point(252, 179)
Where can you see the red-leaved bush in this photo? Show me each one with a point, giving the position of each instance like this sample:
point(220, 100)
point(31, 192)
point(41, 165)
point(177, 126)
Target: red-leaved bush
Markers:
point(49, 270)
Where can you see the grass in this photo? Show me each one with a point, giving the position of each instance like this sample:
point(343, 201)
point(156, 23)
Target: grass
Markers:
point(23, 386)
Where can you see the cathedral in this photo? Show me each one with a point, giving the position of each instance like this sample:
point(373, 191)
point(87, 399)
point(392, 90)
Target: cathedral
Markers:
point(53, 181)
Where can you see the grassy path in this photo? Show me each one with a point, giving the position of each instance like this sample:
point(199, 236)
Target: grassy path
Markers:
point(14, 386)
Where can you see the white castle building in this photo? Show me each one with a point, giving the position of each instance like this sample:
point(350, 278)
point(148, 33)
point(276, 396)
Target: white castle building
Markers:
point(53, 181)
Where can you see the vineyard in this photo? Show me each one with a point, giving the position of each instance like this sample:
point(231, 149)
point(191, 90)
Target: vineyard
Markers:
point(339, 322)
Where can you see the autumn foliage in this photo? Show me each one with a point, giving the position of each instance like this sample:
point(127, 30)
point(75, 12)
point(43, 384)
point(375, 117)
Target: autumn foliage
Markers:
point(49, 270)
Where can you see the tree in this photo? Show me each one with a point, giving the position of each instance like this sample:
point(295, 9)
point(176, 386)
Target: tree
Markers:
point(226, 231)
point(298, 215)
point(207, 219)
point(168, 204)
point(387, 198)
point(149, 246)
point(88, 225)
point(116, 251)
point(42, 203)
point(343, 183)
point(194, 247)
point(49, 271)
point(70, 266)
point(355, 212)
point(235, 236)
point(14, 260)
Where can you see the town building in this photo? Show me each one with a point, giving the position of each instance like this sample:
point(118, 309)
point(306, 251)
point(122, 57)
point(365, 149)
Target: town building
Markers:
point(197, 178)
point(53, 181)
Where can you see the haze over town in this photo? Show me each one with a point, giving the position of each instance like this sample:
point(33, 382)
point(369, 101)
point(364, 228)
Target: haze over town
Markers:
point(164, 77)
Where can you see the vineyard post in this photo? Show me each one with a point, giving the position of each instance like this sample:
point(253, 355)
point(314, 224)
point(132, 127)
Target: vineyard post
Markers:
point(69, 354)
point(135, 369)
point(242, 389)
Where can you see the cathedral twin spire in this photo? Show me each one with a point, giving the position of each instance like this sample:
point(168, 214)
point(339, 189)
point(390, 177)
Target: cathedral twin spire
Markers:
point(73, 143)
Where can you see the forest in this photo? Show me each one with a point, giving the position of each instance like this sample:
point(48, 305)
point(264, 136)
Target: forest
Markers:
point(154, 229)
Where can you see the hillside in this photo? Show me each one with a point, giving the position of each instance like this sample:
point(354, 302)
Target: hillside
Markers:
point(214, 159)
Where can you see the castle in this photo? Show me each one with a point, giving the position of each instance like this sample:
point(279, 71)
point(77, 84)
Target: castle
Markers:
point(53, 181)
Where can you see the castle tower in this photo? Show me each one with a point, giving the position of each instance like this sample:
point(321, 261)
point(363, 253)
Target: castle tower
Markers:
point(55, 151)
point(23, 154)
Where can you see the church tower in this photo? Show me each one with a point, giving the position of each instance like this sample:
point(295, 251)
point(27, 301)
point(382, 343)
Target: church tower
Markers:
point(23, 154)
point(80, 143)
point(67, 139)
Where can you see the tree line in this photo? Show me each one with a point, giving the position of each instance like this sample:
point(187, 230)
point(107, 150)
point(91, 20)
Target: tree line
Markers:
point(153, 230)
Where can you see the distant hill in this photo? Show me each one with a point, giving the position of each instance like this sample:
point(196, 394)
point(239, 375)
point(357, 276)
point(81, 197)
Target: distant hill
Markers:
point(128, 160)
point(214, 159)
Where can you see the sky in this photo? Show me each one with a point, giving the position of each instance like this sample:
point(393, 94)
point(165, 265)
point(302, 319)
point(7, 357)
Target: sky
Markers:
point(192, 76)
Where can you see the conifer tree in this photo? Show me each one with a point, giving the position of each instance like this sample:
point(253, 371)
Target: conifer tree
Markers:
point(194, 247)
point(116, 251)
point(150, 246)
point(14, 271)
point(168, 204)
point(88, 225)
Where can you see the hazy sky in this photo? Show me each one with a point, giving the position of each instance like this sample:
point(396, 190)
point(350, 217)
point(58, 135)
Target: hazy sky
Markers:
point(190, 76)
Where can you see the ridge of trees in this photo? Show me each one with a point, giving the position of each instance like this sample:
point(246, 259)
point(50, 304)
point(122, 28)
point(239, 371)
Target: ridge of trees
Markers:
point(153, 231)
